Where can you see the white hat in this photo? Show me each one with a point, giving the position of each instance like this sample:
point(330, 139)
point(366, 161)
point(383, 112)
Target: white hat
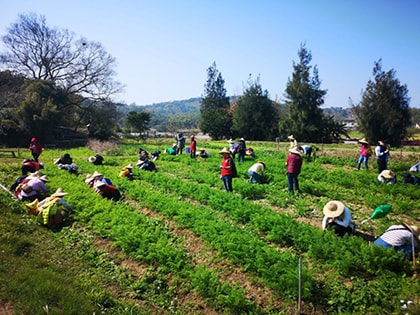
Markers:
point(333, 209)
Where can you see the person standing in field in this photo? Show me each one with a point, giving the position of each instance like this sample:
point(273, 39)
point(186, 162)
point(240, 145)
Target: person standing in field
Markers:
point(35, 148)
point(294, 166)
point(365, 152)
point(193, 147)
point(226, 171)
point(382, 156)
point(241, 149)
point(180, 142)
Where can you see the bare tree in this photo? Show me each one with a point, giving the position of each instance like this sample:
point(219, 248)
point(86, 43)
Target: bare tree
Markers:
point(75, 65)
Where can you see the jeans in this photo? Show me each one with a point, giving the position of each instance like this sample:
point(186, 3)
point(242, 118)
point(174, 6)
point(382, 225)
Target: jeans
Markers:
point(254, 177)
point(363, 159)
point(293, 183)
point(227, 182)
point(241, 156)
point(406, 249)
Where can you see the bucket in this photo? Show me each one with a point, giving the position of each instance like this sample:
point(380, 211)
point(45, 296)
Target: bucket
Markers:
point(187, 150)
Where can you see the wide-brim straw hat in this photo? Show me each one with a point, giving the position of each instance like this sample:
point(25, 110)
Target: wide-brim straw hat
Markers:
point(224, 151)
point(381, 142)
point(363, 141)
point(36, 174)
point(99, 183)
point(291, 137)
point(333, 209)
point(91, 159)
point(295, 151)
point(44, 178)
point(231, 141)
point(59, 193)
point(388, 174)
point(414, 229)
point(129, 166)
point(96, 174)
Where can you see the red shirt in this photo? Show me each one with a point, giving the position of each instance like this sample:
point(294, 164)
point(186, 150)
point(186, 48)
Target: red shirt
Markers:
point(225, 169)
point(294, 163)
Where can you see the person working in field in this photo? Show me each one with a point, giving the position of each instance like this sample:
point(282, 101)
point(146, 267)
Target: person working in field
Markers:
point(35, 148)
point(294, 167)
point(107, 191)
point(127, 172)
point(256, 172)
point(387, 177)
point(401, 237)
point(35, 188)
point(193, 147)
point(364, 153)
point(226, 172)
point(31, 166)
point(337, 217)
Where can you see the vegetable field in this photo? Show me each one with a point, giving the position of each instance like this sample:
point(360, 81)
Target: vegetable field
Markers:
point(178, 243)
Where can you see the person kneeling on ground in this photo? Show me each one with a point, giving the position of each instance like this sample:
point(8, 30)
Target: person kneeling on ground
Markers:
point(96, 160)
point(31, 166)
point(411, 179)
point(127, 172)
point(146, 165)
point(337, 217)
point(107, 191)
point(387, 177)
point(35, 188)
point(203, 153)
point(401, 237)
point(255, 172)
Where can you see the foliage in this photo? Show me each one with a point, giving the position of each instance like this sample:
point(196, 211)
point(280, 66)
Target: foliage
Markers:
point(138, 121)
point(215, 115)
point(383, 113)
point(255, 116)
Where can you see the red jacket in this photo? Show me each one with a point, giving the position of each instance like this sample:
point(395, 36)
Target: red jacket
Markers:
point(294, 163)
point(226, 169)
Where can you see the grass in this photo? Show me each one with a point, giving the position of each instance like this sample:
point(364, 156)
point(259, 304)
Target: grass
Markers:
point(83, 269)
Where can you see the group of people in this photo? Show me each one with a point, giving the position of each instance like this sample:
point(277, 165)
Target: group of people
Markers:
point(381, 151)
point(103, 186)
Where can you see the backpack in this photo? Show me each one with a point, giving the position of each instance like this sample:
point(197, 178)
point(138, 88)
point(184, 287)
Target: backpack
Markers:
point(233, 168)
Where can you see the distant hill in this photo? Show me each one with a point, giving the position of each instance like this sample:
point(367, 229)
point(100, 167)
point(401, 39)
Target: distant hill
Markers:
point(185, 114)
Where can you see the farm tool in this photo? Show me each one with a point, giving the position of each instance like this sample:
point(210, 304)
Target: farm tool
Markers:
point(378, 213)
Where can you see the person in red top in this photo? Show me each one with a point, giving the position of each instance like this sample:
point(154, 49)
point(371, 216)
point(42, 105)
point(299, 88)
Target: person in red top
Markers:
point(107, 191)
point(31, 166)
point(193, 147)
point(36, 148)
point(294, 166)
point(226, 173)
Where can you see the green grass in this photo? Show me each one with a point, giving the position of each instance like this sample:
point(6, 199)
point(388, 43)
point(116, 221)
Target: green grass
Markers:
point(81, 268)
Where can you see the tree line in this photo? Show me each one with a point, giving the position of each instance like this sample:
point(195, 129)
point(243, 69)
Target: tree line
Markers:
point(55, 85)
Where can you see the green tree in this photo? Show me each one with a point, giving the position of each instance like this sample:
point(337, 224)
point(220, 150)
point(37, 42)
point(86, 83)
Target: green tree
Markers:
point(216, 118)
point(138, 121)
point(304, 96)
point(383, 113)
point(255, 116)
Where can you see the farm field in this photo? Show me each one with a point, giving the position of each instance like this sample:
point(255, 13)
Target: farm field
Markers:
point(178, 243)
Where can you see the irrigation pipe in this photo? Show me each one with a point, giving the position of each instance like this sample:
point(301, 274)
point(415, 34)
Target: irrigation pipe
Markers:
point(8, 191)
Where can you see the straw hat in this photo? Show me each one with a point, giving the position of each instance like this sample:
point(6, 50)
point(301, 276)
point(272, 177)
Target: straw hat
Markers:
point(36, 174)
point(333, 209)
point(291, 137)
point(224, 151)
point(231, 141)
point(59, 193)
point(202, 149)
point(92, 159)
point(129, 166)
point(414, 229)
point(44, 178)
point(381, 142)
point(96, 174)
point(99, 183)
point(363, 141)
point(294, 150)
point(388, 174)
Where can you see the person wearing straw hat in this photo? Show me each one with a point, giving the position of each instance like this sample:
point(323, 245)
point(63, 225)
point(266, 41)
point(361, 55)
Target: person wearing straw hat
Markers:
point(203, 153)
point(241, 150)
point(256, 171)
point(35, 188)
point(97, 159)
point(337, 217)
point(387, 177)
point(53, 209)
point(294, 167)
point(226, 169)
point(402, 238)
point(293, 142)
point(127, 172)
point(382, 156)
point(107, 191)
point(365, 152)
point(232, 147)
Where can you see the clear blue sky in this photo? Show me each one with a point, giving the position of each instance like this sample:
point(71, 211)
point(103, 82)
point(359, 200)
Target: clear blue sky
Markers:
point(164, 47)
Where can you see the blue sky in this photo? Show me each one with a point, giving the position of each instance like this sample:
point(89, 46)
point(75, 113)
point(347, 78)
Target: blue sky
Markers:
point(163, 48)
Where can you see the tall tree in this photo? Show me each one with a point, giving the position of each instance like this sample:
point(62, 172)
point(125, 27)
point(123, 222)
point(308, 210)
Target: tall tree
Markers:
point(383, 113)
point(216, 118)
point(255, 116)
point(138, 121)
point(75, 65)
point(304, 97)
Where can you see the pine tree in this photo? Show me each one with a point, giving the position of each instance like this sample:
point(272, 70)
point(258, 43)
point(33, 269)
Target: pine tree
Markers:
point(304, 97)
point(216, 119)
point(255, 116)
point(383, 113)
